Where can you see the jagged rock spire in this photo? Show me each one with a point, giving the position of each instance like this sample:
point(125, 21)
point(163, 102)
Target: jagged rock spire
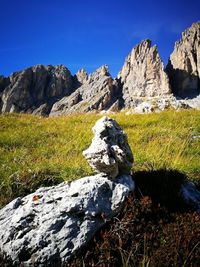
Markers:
point(143, 74)
point(81, 76)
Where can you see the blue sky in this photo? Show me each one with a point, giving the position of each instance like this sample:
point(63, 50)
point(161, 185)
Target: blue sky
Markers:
point(88, 33)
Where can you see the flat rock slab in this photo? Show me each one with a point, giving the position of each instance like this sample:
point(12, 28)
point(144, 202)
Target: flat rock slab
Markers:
point(54, 223)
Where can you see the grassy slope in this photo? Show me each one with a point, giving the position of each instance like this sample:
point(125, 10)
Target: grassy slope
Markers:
point(42, 151)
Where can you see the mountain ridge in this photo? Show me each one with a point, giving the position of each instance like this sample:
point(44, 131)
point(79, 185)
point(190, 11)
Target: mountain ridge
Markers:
point(53, 90)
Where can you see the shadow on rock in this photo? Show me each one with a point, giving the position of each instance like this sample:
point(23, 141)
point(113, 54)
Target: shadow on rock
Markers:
point(183, 83)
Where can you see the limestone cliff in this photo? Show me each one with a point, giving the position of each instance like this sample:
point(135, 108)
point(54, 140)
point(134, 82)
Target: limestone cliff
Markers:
point(184, 64)
point(33, 90)
point(143, 74)
point(98, 92)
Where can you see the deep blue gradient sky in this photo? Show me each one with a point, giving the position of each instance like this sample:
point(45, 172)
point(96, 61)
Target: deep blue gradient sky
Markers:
point(88, 33)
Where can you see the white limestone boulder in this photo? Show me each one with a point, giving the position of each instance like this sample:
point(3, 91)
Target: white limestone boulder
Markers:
point(53, 223)
point(109, 152)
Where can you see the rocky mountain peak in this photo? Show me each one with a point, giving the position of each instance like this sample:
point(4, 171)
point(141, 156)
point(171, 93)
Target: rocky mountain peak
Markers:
point(98, 92)
point(36, 87)
point(103, 70)
point(191, 34)
point(143, 74)
point(141, 49)
point(184, 65)
point(81, 76)
point(99, 73)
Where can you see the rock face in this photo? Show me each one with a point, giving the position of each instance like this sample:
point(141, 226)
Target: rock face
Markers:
point(184, 64)
point(81, 77)
point(52, 224)
point(109, 152)
point(143, 74)
point(3, 83)
point(35, 87)
point(98, 92)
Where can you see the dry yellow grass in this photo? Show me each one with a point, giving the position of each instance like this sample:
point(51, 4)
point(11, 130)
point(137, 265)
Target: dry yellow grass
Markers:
point(38, 151)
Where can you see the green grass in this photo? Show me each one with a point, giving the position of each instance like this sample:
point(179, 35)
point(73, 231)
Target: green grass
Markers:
point(38, 151)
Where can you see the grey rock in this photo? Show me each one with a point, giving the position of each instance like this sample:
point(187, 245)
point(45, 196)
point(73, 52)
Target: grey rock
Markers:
point(109, 152)
point(3, 82)
point(144, 107)
point(81, 77)
point(42, 110)
point(115, 107)
point(143, 74)
point(191, 195)
point(54, 223)
point(193, 102)
point(98, 92)
point(184, 64)
point(157, 104)
point(36, 86)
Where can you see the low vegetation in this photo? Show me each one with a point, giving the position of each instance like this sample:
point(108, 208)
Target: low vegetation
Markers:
point(145, 235)
point(38, 152)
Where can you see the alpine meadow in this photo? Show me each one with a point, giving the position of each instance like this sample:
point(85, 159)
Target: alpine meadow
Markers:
point(100, 133)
